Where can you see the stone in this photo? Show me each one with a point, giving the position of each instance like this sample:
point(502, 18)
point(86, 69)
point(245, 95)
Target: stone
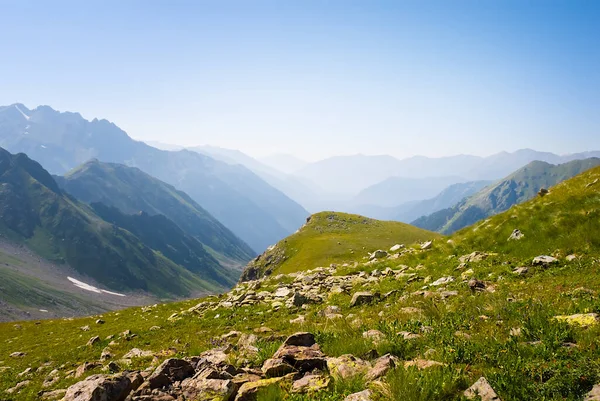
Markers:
point(155, 328)
point(361, 298)
point(137, 353)
point(482, 390)
point(580, 319)
point(426, 245)
point(473, 257)
point(411, 310)
point(381, 367)
point(93, 341)
point(422, 364)
point(571, 258)
point(347, 366)
point(516, 235)
point(544, 260)
point(396, 247)
point(301, 339)
point(311, 383)
point(276, 368)
point(303, 359)
point(520, 271)
point(407, 335)
point(18, 387)
point(171, 370)
point(364, 395)
point(476, 285)
point(100, 321)
point(299, 320)
point(231, 334)
point(443, 280)
point(215, 356)
point(378, 254)
point(106, 354)
point(208, 389)
point(17, 354)
point(85, 367)
point(100, 388)
point(374, 335)
point(249, 390)
point(593, 394)
point(282, 292)
point(85, 328)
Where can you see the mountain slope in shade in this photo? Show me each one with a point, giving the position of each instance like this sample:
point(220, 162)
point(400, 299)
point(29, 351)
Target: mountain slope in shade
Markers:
point(35, 212)
point(131, 190)
point(255, 211)
point(518, 187)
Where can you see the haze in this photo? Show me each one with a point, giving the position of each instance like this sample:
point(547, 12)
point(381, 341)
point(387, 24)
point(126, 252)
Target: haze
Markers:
point(316, 79)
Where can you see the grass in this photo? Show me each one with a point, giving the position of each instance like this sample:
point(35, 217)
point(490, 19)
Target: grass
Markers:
point(332, 237)
point(508, 335)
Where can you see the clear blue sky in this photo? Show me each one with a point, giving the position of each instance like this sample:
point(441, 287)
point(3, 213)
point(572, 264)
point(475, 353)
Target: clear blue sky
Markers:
point(316, 78)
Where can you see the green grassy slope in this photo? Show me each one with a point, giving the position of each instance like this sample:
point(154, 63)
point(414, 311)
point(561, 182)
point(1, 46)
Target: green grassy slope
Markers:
point(331, 237)
point(507, 332)
point(34, 211)
point(131, 191)
point(518, 187)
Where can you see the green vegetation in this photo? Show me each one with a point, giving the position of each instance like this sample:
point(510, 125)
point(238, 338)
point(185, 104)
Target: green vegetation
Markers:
point(131, 190)
point(518, 187)
point(503, 327)
point(331, 237)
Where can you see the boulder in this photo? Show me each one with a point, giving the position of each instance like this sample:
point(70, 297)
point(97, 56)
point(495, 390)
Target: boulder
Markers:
point(85, 367)
point(282, 292)
point(276, 367)
point(208, 389)
point(249, 390)
point(347, 366)
point(378, 254)
point(301, 339)
point(303, 359)
point(361, 298)
point(169, 371)
point(580, 319)
point(481, 390)
point(544, 260)
point(93, 341)
point(396, 247)
point(374, 335)
point(100, 388)
point(443, 280)
point(426, 245)
point(516, 235)
point(381, 367)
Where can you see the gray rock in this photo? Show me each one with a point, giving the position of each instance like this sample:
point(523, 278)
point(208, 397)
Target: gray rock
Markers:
point(381, 367)
point(93, 341)
point(276, 367)
point(396, 247)
point(100, 388)
point(594, 394)
point(378, 254)
point(208, 389)
point(169, 371)
point(521, 270)
point(516, 235)
point(301, 339)
point(426, 245)
point(361, 298)
point(347, 366)
point(311, 383)
point(365, 395)
point(482, 390)
point(544, 260)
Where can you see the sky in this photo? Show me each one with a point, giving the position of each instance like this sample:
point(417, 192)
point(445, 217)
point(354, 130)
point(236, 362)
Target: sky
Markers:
point(316, 78)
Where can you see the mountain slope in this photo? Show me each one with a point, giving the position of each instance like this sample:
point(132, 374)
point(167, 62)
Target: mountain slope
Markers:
point(255, 211)
point(518, 187)
point(35, 212)
point(131, 191)
point(330, 237)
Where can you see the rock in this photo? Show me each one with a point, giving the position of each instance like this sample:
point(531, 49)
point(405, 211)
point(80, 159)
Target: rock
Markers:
point(171, 370)
point(364, 395)
point(17, 354)
point(299, 320)
point(137, 353)
point(100, 321)
point(361, 298)
point(208, 389)
point(516, 235)
point(515, 332)
point(112, 367)
point(347, 366)
point(378, 254)
point(51, 379)
point(374, 335)
point(85, 328)
point(407, 335)
point(52, 395)
point(26, 372)
point(544, 260)
point(215, 356)
point(521, 270)
point(396, 247)
point(303, 359)
point(249, 390)
point(381, 367)
point(231, 334)
point(411, 310)
point(100, 388)
point(301, 339)
point(85, 367)
point(482, 390)
point(571, 258)
point(298, 299)
point(277, 368)
point(580, 319)
point(311, 383)
point(93, 341)
point(443, 280)
point(543, 192)
point(247, 341)
point(155, 328)
point(476, 285)
point(422, 364)
point(105, 355)
point(462, 334)
point(282, 292)
point(426, 245)
point(18, 387)
point(473, 257)
point(594, 394)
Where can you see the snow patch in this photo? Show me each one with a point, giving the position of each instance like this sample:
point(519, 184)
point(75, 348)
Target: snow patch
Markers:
point(88, 287)
point(22, 113)
point(44, 310)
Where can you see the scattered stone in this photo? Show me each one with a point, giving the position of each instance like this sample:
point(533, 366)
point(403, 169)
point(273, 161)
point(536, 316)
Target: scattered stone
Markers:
point(364, 395)
point(299, 320)
point(426, 245)
point(52, 395)
point(544, 260)
point(381, 367)
point(248, 391)
point(93, 341)
point(282, 292)
point(442, 281)
point(407, 335)
point(347, 366)
point(106, 354)
point(378, 254)
point(571, 258)
point(481, 389)
point(100, 321)
point(18, 387)
point(543, 192)
point(374, 335)
point(581, 319)
point(311, 383)
point(137, 353)
point(462, 334)
point(515, 332)
point(476, 285)
point(85, 367)
point(593, 394)
point(516, 235)
point(473, 257)
point(85, 328)
point(208, 389)
point(521, 271)
point(301, 339)
point(171, 370)
point(26, 372)
point(396, 247)
point(422, 364)
point(361, 298)
point(277, 368)
point(17, 354)
point(155, 328)
point(411, 310)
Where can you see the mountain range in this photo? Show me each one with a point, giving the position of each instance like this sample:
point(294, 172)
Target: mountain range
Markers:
point(255, 211)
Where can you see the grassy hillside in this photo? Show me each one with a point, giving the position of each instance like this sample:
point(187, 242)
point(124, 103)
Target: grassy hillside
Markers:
point(459, 316)
point(35, 212)
point(131, 191)
point(518, 187)
point(331, 237)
